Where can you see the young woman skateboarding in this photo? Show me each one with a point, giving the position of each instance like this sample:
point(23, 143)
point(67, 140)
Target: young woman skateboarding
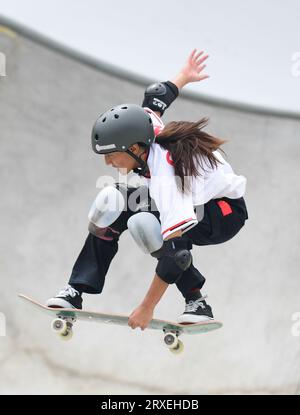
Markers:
point(193, 197)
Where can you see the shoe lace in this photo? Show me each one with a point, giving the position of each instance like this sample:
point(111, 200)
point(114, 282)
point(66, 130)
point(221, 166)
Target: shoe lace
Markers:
point(193, 305)
point(69, 291)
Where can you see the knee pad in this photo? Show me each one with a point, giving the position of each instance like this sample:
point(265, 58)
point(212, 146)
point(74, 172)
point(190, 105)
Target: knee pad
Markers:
point(105, 210)
point(146, 231)
point(173, 259)
point(159, 96)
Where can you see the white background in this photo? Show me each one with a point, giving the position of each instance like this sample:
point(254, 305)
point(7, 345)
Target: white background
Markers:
point(253, 45)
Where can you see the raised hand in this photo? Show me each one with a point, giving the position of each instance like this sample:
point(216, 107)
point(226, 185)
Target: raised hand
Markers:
point(193, 69)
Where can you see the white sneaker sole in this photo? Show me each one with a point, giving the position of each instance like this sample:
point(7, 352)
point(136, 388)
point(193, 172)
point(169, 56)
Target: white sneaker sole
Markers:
point(192, 318)
point(58, 302)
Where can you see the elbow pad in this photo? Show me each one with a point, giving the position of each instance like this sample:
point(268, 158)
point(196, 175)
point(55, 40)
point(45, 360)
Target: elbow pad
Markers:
point(160, 95)
point(173, 259)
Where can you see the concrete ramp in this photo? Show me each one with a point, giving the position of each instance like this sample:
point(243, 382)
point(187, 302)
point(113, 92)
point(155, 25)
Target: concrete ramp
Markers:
point(48, 103)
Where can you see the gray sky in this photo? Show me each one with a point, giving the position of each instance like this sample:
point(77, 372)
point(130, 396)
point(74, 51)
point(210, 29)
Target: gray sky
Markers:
point(254, 46)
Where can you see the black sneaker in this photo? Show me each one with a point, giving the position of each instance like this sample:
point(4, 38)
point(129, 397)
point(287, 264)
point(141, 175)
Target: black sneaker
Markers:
point(196, 311)
point(66, 298)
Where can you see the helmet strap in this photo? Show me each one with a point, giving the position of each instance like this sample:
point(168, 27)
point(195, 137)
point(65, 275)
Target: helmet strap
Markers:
point(143, 170)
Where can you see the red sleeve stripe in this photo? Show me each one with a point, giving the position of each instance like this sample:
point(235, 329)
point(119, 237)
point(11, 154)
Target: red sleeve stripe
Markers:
point(177, 224)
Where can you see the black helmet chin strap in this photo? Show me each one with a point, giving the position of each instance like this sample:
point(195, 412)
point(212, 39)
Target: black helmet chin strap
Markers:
point(143, 170)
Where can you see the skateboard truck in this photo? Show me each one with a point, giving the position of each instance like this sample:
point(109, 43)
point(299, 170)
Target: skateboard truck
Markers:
point(63, 326)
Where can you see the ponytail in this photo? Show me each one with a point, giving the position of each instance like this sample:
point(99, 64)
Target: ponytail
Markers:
point(190, 148)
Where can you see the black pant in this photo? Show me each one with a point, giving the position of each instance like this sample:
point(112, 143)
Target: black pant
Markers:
point(222, 219)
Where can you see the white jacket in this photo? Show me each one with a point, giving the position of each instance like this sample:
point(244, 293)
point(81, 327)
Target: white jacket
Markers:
point(177, 210)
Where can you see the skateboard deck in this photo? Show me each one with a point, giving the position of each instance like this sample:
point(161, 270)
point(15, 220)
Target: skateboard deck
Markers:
point(64, 318)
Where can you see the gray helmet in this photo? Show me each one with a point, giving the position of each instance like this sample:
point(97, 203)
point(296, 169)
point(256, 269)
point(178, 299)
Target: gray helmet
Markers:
point(120, 127)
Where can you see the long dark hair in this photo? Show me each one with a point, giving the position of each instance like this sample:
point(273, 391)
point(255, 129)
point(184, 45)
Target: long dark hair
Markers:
point(190, 149)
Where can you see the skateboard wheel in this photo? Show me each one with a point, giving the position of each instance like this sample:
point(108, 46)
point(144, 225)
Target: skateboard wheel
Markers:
point(171, 340)
point(59, 326)
point(67, 335)
point(63, 328)
point(178, 349)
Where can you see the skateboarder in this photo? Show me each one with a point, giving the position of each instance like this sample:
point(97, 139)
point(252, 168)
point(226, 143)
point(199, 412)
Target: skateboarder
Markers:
point(193, 197)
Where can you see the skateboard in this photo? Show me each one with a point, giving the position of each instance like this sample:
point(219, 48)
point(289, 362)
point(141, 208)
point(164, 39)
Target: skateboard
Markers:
point(64, 318)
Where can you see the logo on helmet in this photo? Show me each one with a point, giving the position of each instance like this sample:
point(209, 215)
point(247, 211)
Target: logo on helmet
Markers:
point(108, 147)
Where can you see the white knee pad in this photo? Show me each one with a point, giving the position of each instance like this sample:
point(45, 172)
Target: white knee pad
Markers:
point(146, 231)
point(107, 207)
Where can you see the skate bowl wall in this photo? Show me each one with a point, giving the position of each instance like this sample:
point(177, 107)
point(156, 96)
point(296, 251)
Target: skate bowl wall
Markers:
point(49, 102)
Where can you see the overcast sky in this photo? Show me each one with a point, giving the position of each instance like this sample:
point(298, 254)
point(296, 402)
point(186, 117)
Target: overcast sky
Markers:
point(254, 45)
